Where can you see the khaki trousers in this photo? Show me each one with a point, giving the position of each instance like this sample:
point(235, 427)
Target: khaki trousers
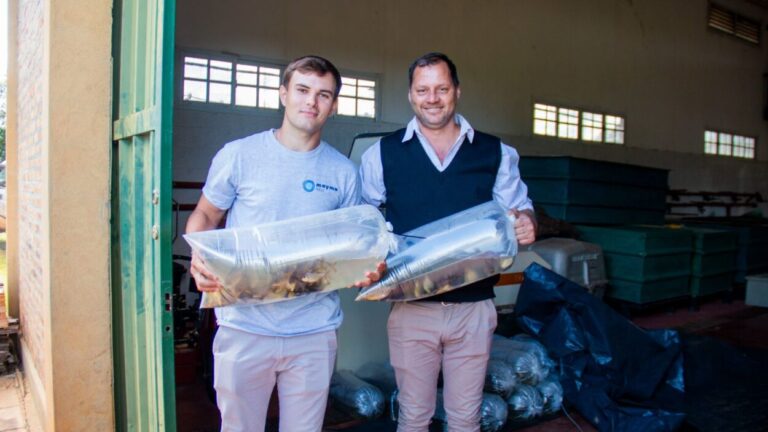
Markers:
point(425, 336)
point(247, 366)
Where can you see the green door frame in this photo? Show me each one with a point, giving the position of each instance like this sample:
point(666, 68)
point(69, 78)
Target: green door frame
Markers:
point(143, 54)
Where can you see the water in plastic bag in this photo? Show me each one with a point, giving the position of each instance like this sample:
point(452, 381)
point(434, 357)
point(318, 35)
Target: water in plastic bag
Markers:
point(293, 257)
point(447, 254)
point(493, 412)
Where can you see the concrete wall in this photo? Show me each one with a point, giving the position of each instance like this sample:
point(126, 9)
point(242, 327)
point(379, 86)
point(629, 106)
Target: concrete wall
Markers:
point(653, 61)
point(60, 139)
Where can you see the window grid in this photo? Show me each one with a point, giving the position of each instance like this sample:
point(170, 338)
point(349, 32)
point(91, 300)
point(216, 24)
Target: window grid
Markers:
point(230, 83)
point(253, 85)
point(357, 98)
point(614, 129)
point(728, 144)
point(545, 120)
point(591, 127)
point(568, 123)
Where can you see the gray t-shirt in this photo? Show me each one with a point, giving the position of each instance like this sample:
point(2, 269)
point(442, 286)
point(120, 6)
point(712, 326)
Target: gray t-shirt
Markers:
point(259, 180)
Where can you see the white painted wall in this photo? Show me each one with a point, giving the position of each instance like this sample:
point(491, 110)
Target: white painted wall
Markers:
point(653, 61)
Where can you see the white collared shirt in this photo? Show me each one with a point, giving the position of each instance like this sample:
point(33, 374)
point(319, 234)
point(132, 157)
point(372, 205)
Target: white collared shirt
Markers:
point(508, 190)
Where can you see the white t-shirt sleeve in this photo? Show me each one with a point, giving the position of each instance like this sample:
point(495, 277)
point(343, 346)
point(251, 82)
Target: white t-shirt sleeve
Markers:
point(372, 176)
point(510, 190)
point(352, 190)
point(221, 185)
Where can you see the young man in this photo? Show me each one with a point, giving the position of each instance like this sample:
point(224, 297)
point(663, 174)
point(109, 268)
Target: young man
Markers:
point(261, 178)
point(438, 165)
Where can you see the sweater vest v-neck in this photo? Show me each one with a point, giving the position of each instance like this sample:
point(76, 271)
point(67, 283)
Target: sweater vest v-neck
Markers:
point(417, 193)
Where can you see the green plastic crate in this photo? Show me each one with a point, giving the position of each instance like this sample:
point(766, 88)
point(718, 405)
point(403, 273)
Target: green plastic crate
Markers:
point(713, 263)
point(649, 292)
point(705, 285)
point(598, 194)
point(706, 240)
point(577, 214)
point(636, 268)
point(586, 169)
point(638, 240)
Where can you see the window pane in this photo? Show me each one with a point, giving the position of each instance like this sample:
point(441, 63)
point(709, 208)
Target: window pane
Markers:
point(710, 148)
point(366, 83)
point(269, 80)
point(270, 71)
point(247, 68)
point(195, 71)
point(348, 89)
point(366, 108)
point(269, 98)
point(220, 93)
point(539, 127)
point(195, 90)
point(346, 106)
point(246, 77)
point(245, 96)
point(221, 71)
point(196, 61)
point(366, 92)
point(750, 154)
point(348, 81)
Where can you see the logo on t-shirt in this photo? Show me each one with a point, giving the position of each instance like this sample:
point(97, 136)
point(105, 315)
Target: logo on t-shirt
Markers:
point(311, 186)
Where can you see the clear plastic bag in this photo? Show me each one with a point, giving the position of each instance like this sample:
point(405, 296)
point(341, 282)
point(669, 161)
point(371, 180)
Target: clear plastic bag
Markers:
point(525, 403)
point(500, 378)
point(356, 396)
point(293, 257)
point(382, 375)
point(524, 362)
point(528, 343)
point(552, 392)
point(447, 254)
point(493, 412)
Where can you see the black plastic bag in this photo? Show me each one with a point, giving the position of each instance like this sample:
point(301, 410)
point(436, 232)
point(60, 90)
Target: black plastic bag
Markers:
point(618, 376)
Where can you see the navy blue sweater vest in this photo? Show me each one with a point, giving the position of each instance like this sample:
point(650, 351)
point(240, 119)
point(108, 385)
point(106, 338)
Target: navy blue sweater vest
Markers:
point(417, 193)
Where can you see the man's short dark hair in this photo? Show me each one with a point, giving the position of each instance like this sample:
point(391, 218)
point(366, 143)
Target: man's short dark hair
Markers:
point(313, 64)
point(430, 59)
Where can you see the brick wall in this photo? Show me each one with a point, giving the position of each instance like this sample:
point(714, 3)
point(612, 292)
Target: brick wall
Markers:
point(31, 170)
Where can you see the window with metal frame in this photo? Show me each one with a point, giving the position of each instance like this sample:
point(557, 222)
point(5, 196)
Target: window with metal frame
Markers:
point(728, 144)
point(226, 82)
point(240, 82)
point(357, 97)
point(573, 124)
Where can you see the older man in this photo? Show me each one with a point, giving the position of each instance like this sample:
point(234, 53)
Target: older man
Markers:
point(436, 166)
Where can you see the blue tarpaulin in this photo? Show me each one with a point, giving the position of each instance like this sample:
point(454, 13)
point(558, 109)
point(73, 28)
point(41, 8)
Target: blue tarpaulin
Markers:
point(617, 375)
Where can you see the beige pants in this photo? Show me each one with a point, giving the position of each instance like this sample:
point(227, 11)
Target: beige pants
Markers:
point(247, 366)
point(423, 336)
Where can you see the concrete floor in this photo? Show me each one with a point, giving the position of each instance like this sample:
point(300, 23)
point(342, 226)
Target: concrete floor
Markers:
point(12, 410)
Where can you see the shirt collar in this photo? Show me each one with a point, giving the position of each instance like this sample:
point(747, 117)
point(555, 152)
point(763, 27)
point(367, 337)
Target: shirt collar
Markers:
point(465, 128)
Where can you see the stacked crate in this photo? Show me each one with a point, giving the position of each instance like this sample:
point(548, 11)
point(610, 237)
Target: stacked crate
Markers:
point(595, 192)
point(752, 245)
point(713, 266)
point(644, 264)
